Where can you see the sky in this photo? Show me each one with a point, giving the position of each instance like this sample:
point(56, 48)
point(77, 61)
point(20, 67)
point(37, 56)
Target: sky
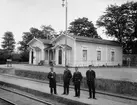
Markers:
point(19, 16)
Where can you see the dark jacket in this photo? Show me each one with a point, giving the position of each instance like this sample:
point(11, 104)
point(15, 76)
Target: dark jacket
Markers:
point(77, 77)
point(67, 76)
point(90, 75)
point(52, 79)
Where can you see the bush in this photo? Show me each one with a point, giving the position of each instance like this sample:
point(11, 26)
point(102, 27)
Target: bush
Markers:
point(30, 74)
point(24, 56)
point(16, 57)
point(6, 71)
point(3, 56)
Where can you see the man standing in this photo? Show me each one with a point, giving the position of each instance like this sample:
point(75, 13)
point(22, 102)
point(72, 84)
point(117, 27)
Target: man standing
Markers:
point(66, 79)
point(77, 77)
point(90, 76)
point(52, 80)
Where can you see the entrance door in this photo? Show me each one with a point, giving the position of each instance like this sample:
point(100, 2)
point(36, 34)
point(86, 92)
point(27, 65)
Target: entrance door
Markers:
point(32, 56)
point(60, 57)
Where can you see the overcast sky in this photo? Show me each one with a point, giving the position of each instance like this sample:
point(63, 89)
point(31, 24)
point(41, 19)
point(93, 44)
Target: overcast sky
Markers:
point(19, 16)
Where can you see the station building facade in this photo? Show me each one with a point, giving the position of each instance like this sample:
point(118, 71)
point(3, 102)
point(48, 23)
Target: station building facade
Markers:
point(80, 51)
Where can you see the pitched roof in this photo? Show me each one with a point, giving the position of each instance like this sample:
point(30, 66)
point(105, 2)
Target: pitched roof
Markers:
point(95, 40)
point(81, 39)
point(44, 41)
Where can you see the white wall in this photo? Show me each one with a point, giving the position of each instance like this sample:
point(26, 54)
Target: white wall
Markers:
point(38, 55)
point(92, 54)
point(70, 42)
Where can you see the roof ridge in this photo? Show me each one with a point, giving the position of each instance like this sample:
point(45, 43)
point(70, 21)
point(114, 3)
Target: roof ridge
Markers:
point(73, 35)
point(95, 40)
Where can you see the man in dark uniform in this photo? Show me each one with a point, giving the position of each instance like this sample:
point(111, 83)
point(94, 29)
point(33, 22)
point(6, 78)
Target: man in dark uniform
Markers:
point(66, 79)
point(77, 77)
point(52, 81)
point(90, 76)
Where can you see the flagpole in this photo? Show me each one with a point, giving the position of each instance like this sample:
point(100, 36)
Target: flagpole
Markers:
point(65, 3)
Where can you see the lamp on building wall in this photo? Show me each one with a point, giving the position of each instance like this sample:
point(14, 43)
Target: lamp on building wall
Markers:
point(65, 4)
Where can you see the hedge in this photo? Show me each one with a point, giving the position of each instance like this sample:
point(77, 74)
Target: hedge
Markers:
point(30, 74)
point(108, 85)
point(5, 70)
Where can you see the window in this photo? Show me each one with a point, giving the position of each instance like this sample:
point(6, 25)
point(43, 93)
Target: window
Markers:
point(84, 55)
point(112, 55)
point(98, 55)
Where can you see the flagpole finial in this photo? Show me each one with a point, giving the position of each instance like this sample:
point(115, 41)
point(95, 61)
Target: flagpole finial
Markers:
point(63, 3)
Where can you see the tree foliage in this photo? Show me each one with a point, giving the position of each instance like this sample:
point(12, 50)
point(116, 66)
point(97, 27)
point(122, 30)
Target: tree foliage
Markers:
point(3, 56)
point(83, 27)
point(8, 43)
point(121, 22)
point(46, 32)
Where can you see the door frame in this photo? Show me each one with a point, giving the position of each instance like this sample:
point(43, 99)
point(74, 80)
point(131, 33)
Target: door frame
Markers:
point(60, 52)
point(32, 57)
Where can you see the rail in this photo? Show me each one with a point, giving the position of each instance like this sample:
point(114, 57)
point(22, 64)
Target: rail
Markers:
point(24, 95)
point(8, 101)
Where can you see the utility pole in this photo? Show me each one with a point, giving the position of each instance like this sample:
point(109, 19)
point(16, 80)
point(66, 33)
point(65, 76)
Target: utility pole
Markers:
point(65, 4)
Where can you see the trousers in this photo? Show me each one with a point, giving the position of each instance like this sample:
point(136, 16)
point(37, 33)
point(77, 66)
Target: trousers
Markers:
point(66, 88)
point(91, 87)
point(53, 89)
point(77, 89)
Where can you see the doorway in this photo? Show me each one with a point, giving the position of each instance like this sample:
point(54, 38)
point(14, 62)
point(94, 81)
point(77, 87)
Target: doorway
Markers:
point(32, 56)
point(60, 57)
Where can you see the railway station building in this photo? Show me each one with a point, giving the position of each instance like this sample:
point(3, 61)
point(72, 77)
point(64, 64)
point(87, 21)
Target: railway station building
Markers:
point(80, 51)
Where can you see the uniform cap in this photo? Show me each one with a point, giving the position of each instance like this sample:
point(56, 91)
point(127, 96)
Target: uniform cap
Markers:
point(76, 67)
point(66, 66)
point(90, 66)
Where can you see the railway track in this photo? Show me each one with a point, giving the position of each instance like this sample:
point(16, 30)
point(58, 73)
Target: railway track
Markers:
point(16, 98)
point(6, 102)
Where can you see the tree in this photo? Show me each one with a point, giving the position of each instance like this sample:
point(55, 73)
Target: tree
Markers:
point(27, 36)
point(46, 32)
point(3, 56)
point(8, 43)
point(16, 57)
point(134, 17)
point(83, 27)
point(121, 22)
point(135, 47)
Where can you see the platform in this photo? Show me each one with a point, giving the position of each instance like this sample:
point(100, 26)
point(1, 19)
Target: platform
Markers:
point(43, 87)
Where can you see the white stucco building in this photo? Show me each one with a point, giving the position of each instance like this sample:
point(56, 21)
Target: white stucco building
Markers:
point(81, 51)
